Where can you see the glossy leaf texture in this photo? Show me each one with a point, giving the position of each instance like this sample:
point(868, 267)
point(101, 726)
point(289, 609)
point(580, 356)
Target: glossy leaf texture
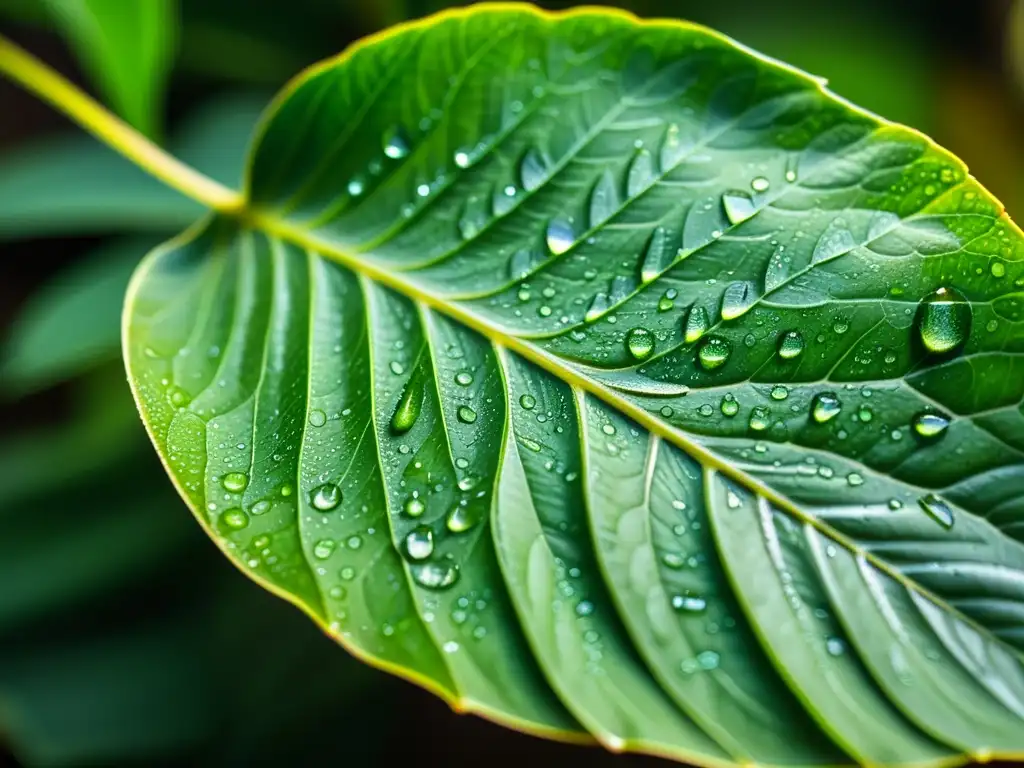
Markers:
point(610, 379)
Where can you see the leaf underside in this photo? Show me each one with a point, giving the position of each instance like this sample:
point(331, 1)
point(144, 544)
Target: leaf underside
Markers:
point(613, 381)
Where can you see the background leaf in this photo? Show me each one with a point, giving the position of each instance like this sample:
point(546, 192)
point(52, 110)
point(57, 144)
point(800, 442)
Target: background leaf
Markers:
point(653, 293)
point(127, 49)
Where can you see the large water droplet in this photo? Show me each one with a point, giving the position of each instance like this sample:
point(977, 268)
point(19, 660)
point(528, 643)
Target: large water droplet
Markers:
point(738, 207)
point(790, 345)
point(825, 406)
point(396, 145)
point(560, 236)
point(937, 510)
point(521, 263)
point(640, 343)
point(317, 418)
point(737, 299)
point(326, 497)
point(324, 548)
point(435, 575)
point(604, 200)
point(641, 173)
point(696, 324)
point(930, 426)
point(599, 305)
point(419, 543)
point(407, 410)
point(760, 418)
point(466, 414)
point(414, 507)
point(532, 170)
point(729, 405)
point(460, 519)
point(658, 256)
point(945, 320)
point(713, 353)
point(234, 519)
point(235, 482)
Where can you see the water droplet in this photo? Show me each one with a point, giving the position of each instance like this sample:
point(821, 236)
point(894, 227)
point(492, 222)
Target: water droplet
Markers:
point(855, 479)
point(673, 560)
point(407, 410)
point(528, 402)
point(865, 414)
point(326, 497)
point(945, 320)
point(641, 173)
point(532, 170)
point(760, 184)
point(713, 353)
point(460, 519)
point(640, 343)
point(760, 418)
point(696, 324)
point(738, 206)
point(234, 519)
point(779, 392)
point(463, 159)
point(790, 345)
point(825, 406)
point(317, 418)
point(658, 256)
point(689, 603)
point(466, 414)
point(560, 236)
point(419, 543)
point(730, 407)
point(937, 510)
point(930, 426)
point(790, 176)
point(463, 378)
point(356, 186)
point(414, 507)
point(737, 299)
point(324, 548)
point(435, 575)
point(599, 305)
point(178, 397)
point(835, 646)
point(708, 660)
point(235, 482)
point(396, 145)
point(354, 542)
point(608, 429)
point(520, 264)
point(604, 200)
point(396, 367)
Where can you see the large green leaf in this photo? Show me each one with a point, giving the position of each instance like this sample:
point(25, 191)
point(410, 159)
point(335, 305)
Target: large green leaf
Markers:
point(607, 378)
point(126, 48)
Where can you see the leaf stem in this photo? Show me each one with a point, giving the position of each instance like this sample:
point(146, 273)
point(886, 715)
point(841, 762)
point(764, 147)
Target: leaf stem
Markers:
point(33, 75)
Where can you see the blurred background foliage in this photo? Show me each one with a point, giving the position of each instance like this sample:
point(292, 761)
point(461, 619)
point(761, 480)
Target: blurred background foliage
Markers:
point(125, 637)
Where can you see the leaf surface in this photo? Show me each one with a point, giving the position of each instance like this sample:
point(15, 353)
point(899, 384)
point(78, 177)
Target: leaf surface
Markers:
point(619, 381)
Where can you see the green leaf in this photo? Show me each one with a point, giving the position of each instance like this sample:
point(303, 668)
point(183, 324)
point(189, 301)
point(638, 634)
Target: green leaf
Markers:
point(74, 185)
point(568, 361)
point(126, 49)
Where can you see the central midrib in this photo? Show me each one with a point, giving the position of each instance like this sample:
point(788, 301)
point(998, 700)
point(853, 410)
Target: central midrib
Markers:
point(275, 227)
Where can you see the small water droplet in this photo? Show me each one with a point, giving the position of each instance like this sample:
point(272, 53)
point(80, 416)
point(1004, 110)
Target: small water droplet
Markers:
point(463, 378)
point(760, 184)
point(396, 145)
point(779, 392)
point(930, 426)
point(937, 510)
point(696, 324)
point(235, 482)
point(532, 170)
point(604, 200)
point(413, 507)
point(560, 236)
point(790, 345)
point(945, 320)
point(738, 206)
point(689, 603)
point(640, 343)
point(356, 186)
point(407, 410)
point(855, 479)
point(326, 497)
point(673, 560)
point(435, 575)
point(713, 353)
point(178, 397)
point(396, 367)
point(835, 646)
point(825, 406)
point(463, 159)
point(317, 418)
point(520, 264)
point(234, 519)
point(466, 414)
point(324, 548)
point(528, 402)
point(760, 418)
point(419, 543)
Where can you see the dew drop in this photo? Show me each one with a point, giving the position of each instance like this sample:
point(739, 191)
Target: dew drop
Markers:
point(937, 510)
point(326, 497)
point(317, 418)
point(640, 343)
point(407, 410)
point(790, 345)
point(520, 264)
point(689, 603)
point(729, 406)
point(825, 406)
point(435, 575)
point(460, 519)
point(235, 482)
point(696, 324)
point(713, 353)
point(396, 145)
point(532, 170)
point(657, 257)
point(599, 305)
point(419, 543)
point(560, 236)
point(356, 186)
point(760, 184)
point(178, 397)
point(466, 414)
point(738, 206)
point(945, 320)
point(463, 159)
point(835, 646)
point(604, 200)
point(930, 426)
point(737, 299)
point(234, 519)
point(463, 378)
point(760, 418)
point(779, 392)
point(528, 402)
point(641, 173)
point(413, 507)
point(324, 548)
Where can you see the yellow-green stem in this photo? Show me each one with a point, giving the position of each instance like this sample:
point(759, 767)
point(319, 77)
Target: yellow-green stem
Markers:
point(36, 77)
